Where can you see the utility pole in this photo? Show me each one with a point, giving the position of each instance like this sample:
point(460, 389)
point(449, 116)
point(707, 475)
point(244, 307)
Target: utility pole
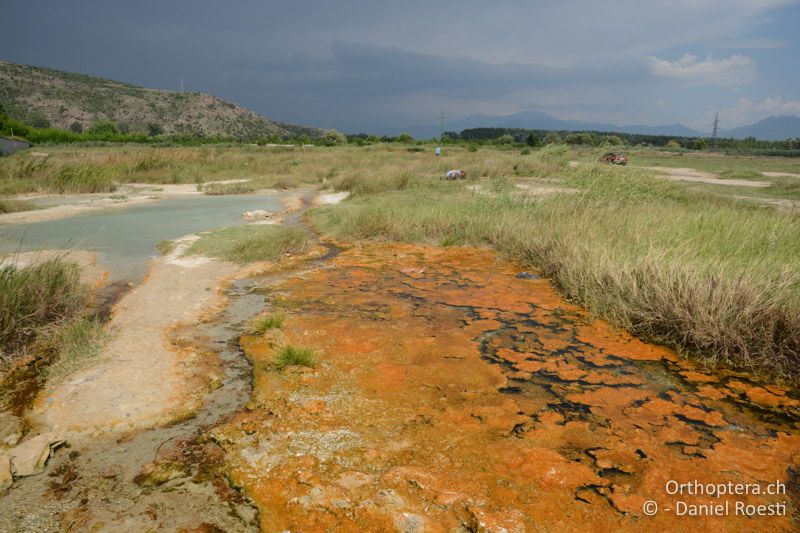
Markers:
point(716, 131)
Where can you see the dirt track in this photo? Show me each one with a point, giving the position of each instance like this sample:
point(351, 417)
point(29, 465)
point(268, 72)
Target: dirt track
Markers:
point(697, 176)
point(141, 380)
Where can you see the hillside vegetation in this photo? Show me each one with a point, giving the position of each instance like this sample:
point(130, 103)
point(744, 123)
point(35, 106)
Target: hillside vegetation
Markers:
point(45, 98)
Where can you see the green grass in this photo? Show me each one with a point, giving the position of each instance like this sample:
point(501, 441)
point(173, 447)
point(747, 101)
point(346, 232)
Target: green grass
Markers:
point(77, 343)
point(80, 179)
point(294, 356)
point(15, 206)
point(247, 244)
point(264, 323)
point(741, 174)
point(165, 247)
point(35, 299)
point(217, 189)
point(709, 162)
point(707, 275)
point(37, 175)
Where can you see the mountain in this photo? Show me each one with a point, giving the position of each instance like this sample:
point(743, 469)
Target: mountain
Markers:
point(45, 97)
point(538, 120)
point(775, 128)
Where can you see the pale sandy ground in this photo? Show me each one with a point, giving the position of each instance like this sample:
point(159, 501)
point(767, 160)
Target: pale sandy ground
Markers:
point(139, 381)
point(330, 198)
point(781, 174)
point(697, 176)
point(527, 188)
point(780, 203)
point(68, 210)
point(127, 195)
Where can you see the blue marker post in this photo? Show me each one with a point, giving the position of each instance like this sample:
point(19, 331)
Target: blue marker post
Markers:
point(438, 151)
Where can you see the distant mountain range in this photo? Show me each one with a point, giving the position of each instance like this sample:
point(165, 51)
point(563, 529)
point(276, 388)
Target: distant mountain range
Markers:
point(45, 97)
point(775, 128)
point(771, 128)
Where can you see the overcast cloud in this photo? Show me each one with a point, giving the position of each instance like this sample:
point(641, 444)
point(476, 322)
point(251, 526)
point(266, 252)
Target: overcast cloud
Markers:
point(363, 65)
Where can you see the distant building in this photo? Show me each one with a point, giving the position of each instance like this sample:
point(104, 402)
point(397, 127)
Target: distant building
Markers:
point(9, 146)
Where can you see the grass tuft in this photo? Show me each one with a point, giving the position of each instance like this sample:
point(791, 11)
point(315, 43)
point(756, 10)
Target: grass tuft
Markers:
point(36, 298)
point(15, 206)
point(294, 356)
point(247, 244)
point(264, 323)
point(76, 344)
point(165, 247)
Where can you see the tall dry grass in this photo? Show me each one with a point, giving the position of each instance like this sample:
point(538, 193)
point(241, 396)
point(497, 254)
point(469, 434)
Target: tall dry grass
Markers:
point(35, 299)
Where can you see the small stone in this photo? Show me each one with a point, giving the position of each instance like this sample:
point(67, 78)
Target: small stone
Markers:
point(29, 458)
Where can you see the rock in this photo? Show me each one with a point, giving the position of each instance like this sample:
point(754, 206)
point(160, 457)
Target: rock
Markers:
point(6, 479)
point(29, 458)
point(455, 174)
point(258, 214)
point(527, 275)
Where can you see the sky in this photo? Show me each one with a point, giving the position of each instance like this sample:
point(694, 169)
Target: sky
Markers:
point(365, 65)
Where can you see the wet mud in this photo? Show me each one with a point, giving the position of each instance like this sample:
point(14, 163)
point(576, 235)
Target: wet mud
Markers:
point(453, 395)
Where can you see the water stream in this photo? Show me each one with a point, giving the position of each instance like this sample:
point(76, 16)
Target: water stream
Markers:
point(125, 238)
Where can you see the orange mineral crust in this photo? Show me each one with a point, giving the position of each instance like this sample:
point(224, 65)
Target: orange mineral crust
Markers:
point(450, 395)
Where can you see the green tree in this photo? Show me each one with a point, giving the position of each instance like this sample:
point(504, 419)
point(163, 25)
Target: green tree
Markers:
point(581, 138)
point(39, 121)
point(405, 138)
point(106, 128)
point(552, 138)
point(333, 138)
point(533, 140)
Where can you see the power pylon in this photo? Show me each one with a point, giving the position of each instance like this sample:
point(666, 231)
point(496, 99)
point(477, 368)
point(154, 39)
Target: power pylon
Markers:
point(716, 131)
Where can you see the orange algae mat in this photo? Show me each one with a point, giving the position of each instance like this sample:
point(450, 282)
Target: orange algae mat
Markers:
point(451, 395)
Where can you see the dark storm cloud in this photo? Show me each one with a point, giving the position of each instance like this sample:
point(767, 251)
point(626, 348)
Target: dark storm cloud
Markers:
point(357, 71)
point(359, 63)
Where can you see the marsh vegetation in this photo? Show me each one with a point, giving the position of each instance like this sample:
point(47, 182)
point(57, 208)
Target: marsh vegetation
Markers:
point(708, 269)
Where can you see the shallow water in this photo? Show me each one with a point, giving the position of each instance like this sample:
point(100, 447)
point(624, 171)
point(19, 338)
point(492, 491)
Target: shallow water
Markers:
point(126, 237)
